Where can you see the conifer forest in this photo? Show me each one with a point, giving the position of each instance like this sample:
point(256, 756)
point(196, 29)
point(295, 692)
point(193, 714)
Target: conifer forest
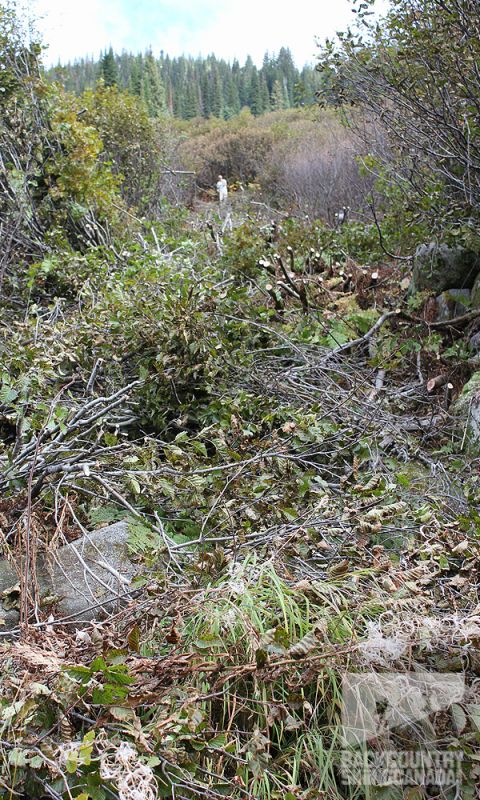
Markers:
point(197, 87)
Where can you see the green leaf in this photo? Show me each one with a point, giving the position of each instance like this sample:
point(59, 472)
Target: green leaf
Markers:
point(208, 641)
point(105, 695)
point(134, 485)
point(122, 713)
point(459, 717)
point(218, 741)
point(473, 710)
point(261, 657)
point(98, 664)
point(36, 762)
point(167, 489)
point(142, 539)
point(17, 757)
point(7, 395)
point(200, 448)
point(72, 761)
point(105, 514)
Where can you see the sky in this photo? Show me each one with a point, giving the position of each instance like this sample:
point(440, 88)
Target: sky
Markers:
point(228, 28)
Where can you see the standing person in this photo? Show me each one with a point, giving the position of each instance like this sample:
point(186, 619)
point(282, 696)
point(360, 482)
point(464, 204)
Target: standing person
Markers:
point(222, 189)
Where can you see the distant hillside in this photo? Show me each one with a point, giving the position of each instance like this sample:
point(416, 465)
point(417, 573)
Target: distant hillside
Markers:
point(189, 87)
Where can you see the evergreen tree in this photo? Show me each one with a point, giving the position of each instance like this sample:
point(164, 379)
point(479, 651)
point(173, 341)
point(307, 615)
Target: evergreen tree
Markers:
point(278, 97)
point(135, 78)
point(109, 69)
point(190, 105)
point(255, 95)
point(232, 99)
point(268, 71)
point(206, 106)
point(264, 95)
point(217, 98)
point(153, 91)
point(287, 68)
point(245, 82)
point(124, 69)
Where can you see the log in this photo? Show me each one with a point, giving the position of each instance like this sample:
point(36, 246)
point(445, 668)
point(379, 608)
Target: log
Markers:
point(436, 383)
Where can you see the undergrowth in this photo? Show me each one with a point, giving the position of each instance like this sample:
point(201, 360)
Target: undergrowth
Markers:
point(300, 507)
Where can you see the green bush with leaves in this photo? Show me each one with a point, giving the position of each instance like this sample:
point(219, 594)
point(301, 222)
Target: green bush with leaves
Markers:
point(55, 187)
point(414, 73)
point(131, 141)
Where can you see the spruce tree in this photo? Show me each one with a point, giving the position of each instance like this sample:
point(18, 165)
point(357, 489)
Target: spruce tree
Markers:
point(264, 95)
point(232, 99)
point(255, 96)
point(135, 81)
point(190, 103)
point(289, 73)
point(217, 98)
point(278, 97)
point(245, 82)
point(153, 91)
point(109, 69)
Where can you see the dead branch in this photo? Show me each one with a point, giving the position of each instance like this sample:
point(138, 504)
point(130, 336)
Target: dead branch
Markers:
point(345, 348)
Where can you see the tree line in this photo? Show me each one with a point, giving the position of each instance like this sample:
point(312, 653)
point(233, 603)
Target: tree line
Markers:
point(188, 87)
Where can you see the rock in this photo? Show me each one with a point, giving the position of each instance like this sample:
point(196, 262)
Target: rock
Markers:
point(92, 570)
point(452, 303)
point(467, 409)
point(475, 297)
point(438, 267)
point(474, 342)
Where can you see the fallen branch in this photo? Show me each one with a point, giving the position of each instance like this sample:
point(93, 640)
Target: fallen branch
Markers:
point(464, 319)
point(379, 381)
point(169, 171)
point(344, 348)
point(451, 323)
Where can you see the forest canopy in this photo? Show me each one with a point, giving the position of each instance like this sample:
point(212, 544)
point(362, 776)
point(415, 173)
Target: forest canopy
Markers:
point(189, 87)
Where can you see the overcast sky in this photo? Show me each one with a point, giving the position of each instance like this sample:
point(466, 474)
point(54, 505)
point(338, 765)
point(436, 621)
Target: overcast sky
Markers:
point(228, 28)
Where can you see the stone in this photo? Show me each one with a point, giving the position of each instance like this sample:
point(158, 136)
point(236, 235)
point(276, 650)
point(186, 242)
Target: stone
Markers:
point(437, 267)
point(475, 297)
point(474, 343)
point(82, 580)
point(467, 409)
point(452, 303)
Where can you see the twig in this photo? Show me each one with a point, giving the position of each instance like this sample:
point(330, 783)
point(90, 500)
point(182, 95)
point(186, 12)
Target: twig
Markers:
point(452, 323)
point(380, 236)
point(345, 348)
point(93, 375)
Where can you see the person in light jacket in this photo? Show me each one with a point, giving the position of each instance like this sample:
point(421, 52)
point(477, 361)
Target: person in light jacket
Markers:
point(222, 189)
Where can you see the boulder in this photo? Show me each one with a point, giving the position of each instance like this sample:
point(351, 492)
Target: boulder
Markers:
point(452, 303)
point(82, 580)
point(437, 267)
point(474, 343)
point(467, 409)
point(475, 295)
